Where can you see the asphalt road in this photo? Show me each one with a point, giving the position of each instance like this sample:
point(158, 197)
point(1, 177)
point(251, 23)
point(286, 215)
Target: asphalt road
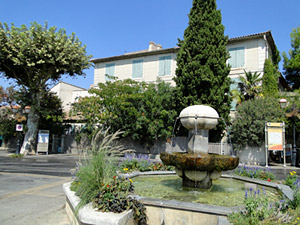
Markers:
point(31, 189)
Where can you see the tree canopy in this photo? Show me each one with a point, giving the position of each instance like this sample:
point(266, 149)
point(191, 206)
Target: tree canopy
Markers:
point(144, 112)
point(291, 64)
point(202, 71)
point(36, 56)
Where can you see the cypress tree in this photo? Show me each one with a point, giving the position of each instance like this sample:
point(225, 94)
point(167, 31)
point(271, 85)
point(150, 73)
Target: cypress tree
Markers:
point(269, 80)
point(202, 71)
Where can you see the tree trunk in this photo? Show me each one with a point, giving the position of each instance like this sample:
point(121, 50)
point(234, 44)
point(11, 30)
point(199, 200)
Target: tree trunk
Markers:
point(30, 139)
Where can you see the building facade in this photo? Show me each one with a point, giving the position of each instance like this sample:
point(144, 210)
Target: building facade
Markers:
point(247, 53)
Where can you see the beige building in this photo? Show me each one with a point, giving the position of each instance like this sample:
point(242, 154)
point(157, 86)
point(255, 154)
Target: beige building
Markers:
point(247, 53)
point(68, 93)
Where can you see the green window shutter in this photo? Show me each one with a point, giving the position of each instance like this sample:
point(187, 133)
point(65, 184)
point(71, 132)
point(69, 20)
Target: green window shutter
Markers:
point(240, 57)
point(137, 68)
point(109, 70)
point(164, 65)
point(161, 69)
point(168, 65)
point(237, 57)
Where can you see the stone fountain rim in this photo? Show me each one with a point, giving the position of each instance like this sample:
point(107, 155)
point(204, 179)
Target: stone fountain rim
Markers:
point(198, 207)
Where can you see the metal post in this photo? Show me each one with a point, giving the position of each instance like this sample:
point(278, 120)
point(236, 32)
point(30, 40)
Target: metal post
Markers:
point(18, 143)
point(294, 150)
point(266, 144)
point(283, 145)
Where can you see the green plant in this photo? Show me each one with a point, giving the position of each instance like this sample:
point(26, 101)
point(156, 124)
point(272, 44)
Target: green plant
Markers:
point(291, 180)
point(269, 80)
point(113, 197)
point(97, 166)
point(202, 69)
point(16, 155)
point(291, 64)
point(257, 209)
point(248, 125)
point(132, 162)
point(250, 85)
point(255, 172)
point(96, 179)
point(143, 111)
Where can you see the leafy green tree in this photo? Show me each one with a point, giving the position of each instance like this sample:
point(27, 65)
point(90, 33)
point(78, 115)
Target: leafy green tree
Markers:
point(34, 57)
point(7, 120)
point(291, 64)
point(250, 85)
point(202, 71)
point(142, 111)
point(249, 122)
point(269, 80)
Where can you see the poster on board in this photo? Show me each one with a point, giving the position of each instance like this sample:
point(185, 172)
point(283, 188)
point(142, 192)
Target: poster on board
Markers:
point(275, 139)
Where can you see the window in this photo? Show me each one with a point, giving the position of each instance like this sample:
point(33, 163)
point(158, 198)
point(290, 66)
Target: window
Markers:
point(237, 57)
point(234, 86)
point(109, 70)
point(164, 66)
point(137, 68)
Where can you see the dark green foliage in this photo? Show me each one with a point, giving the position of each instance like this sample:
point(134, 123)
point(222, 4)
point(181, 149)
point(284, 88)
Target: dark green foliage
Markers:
point(143, 111)
point(249, 122)
point(7, 120)
point(113, 197)
point(7, 124)
point(269, 80)
point(291, 64)
point(202, 71)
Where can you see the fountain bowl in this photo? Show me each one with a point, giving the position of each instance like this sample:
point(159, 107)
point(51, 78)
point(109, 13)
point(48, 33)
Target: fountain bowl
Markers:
point(202, 117)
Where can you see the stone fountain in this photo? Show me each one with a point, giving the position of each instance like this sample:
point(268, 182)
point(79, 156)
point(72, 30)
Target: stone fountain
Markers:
point(197, 167)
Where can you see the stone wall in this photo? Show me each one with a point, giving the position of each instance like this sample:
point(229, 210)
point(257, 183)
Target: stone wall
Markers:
point(252, 156)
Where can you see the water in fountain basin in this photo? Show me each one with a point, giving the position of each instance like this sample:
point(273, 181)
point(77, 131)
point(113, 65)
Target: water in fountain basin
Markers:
point(224, 192)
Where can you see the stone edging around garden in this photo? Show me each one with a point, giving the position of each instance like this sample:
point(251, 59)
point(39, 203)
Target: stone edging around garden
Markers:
point(88, 215)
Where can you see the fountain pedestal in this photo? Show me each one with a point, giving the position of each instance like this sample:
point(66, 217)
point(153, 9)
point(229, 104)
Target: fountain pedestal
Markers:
point(197, 168)
point(198, 141)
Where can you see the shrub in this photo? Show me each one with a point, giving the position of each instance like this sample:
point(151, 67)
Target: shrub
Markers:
point(249, 122)
point(145, 112)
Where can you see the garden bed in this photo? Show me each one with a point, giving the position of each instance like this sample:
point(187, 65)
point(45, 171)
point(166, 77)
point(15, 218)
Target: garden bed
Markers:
point(88, 215)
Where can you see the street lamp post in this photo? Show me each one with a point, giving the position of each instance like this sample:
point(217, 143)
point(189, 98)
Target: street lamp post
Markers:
point(294, 115)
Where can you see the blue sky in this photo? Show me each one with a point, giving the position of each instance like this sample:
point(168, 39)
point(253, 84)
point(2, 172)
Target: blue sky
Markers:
point(110, 28)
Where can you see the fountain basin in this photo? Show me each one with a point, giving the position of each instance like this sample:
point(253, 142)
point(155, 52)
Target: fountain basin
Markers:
point(166, 211)
point(198, 170)
point(200, 162)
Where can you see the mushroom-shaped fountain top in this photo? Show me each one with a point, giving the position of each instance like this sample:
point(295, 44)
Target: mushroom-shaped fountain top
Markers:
point(202, 117)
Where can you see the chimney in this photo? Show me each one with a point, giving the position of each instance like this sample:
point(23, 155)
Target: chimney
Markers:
point(153, 46)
